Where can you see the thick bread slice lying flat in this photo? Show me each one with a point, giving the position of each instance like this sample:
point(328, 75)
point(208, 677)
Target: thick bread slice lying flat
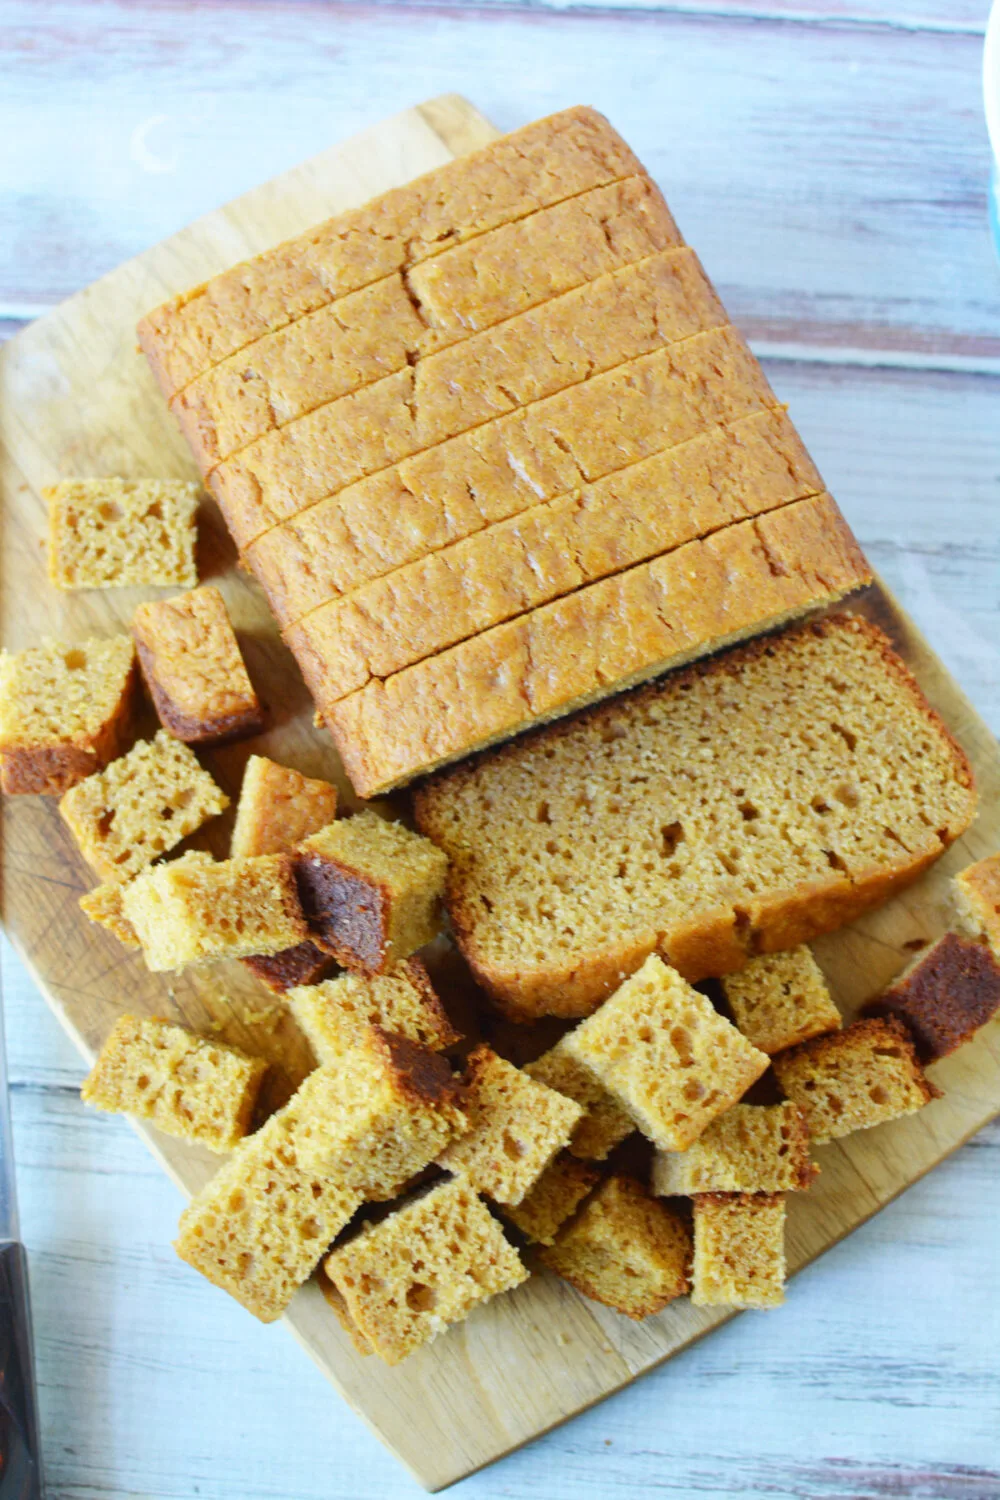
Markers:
point(743, 805)
point(610, 635)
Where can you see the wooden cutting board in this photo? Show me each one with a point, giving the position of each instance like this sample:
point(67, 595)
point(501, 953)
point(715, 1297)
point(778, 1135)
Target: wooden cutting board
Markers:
point(76, 399)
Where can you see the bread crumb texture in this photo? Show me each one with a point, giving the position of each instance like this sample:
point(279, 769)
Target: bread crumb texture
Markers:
point(194, 670)
point(554, 1198)
point(624, 1249)
point(516, 1127)
point(752, 1148)
point(65, 712)
point(605, 1124)
point(279, 807)
point(668, 1057)
point(977, 894)
point(193, 909)
point(197, 1090)
point(402, 1001)
point(423, 1268)
point(140, 807)
point(109, 533)
point(750, 803)
point(854, 1079)
point(780, 999)
point(739, 1250)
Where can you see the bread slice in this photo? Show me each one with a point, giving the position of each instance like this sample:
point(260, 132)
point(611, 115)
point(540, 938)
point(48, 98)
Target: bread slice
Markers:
point(623, 1249)
point(752, 1148)
point(641, 512)
point(402, 1001)
point(944, 996)
point(781, 999)
point(668, 1057)
point(194, 669)
point(977, 895)
point(710, 398)
point(140, 807)
point(620, 316)
point(181, 1083)
point(390, 324)
point(371, 890)
point(194, 909)
point(605, 1124)
point(516, 1128)
point(610, 635)
point(739, 1250)
point(744, 805)
point(854, 1079)
point(65, 711)
point(109, 533)
point(554, 1198)
point(544, 163)
point(408, 1278)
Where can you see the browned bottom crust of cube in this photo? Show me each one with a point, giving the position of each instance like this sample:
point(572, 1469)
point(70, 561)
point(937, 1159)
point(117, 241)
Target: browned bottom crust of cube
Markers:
point(944, 997)
point(303, 964)
point(346, 915)
point(220, 729)
point(50, 770)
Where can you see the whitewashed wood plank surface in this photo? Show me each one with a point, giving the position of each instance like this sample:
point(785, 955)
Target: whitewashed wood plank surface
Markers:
point(833, 179)
point(832, 175)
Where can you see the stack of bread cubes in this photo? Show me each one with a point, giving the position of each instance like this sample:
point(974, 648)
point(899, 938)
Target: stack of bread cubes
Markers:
point(494, 453)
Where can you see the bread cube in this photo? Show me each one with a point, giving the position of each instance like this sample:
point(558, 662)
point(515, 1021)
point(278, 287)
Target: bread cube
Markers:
point(605, 1124)
point(371, 890)
point(944, 996)
point(260, 1226)
point(739, 1250)
point(516, 1127)
point(855, 1078)
point(556, 1195)
point(624, 1249)
point(666, 1055)
point(752, 1148)
point(335, 1301)
point(380, 1114)
point(193, 909)
point(278, 808)
point(103, 905)
point(781, 999)
point(65, 711)
point(402, 1001)
point(423, 1268)
point(977, 894)
point(140, 807)
point(184, 1085)
point(107, 533)
point(193, 668)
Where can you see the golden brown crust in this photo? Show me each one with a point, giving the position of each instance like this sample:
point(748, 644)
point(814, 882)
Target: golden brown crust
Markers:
point(545, 162)
point(280, 972)
point(621, 316)
point(192, 665)
point(605, 637)
point(51, 769)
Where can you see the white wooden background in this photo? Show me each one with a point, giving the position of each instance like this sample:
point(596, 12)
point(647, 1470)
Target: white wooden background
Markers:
point(828, 160)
